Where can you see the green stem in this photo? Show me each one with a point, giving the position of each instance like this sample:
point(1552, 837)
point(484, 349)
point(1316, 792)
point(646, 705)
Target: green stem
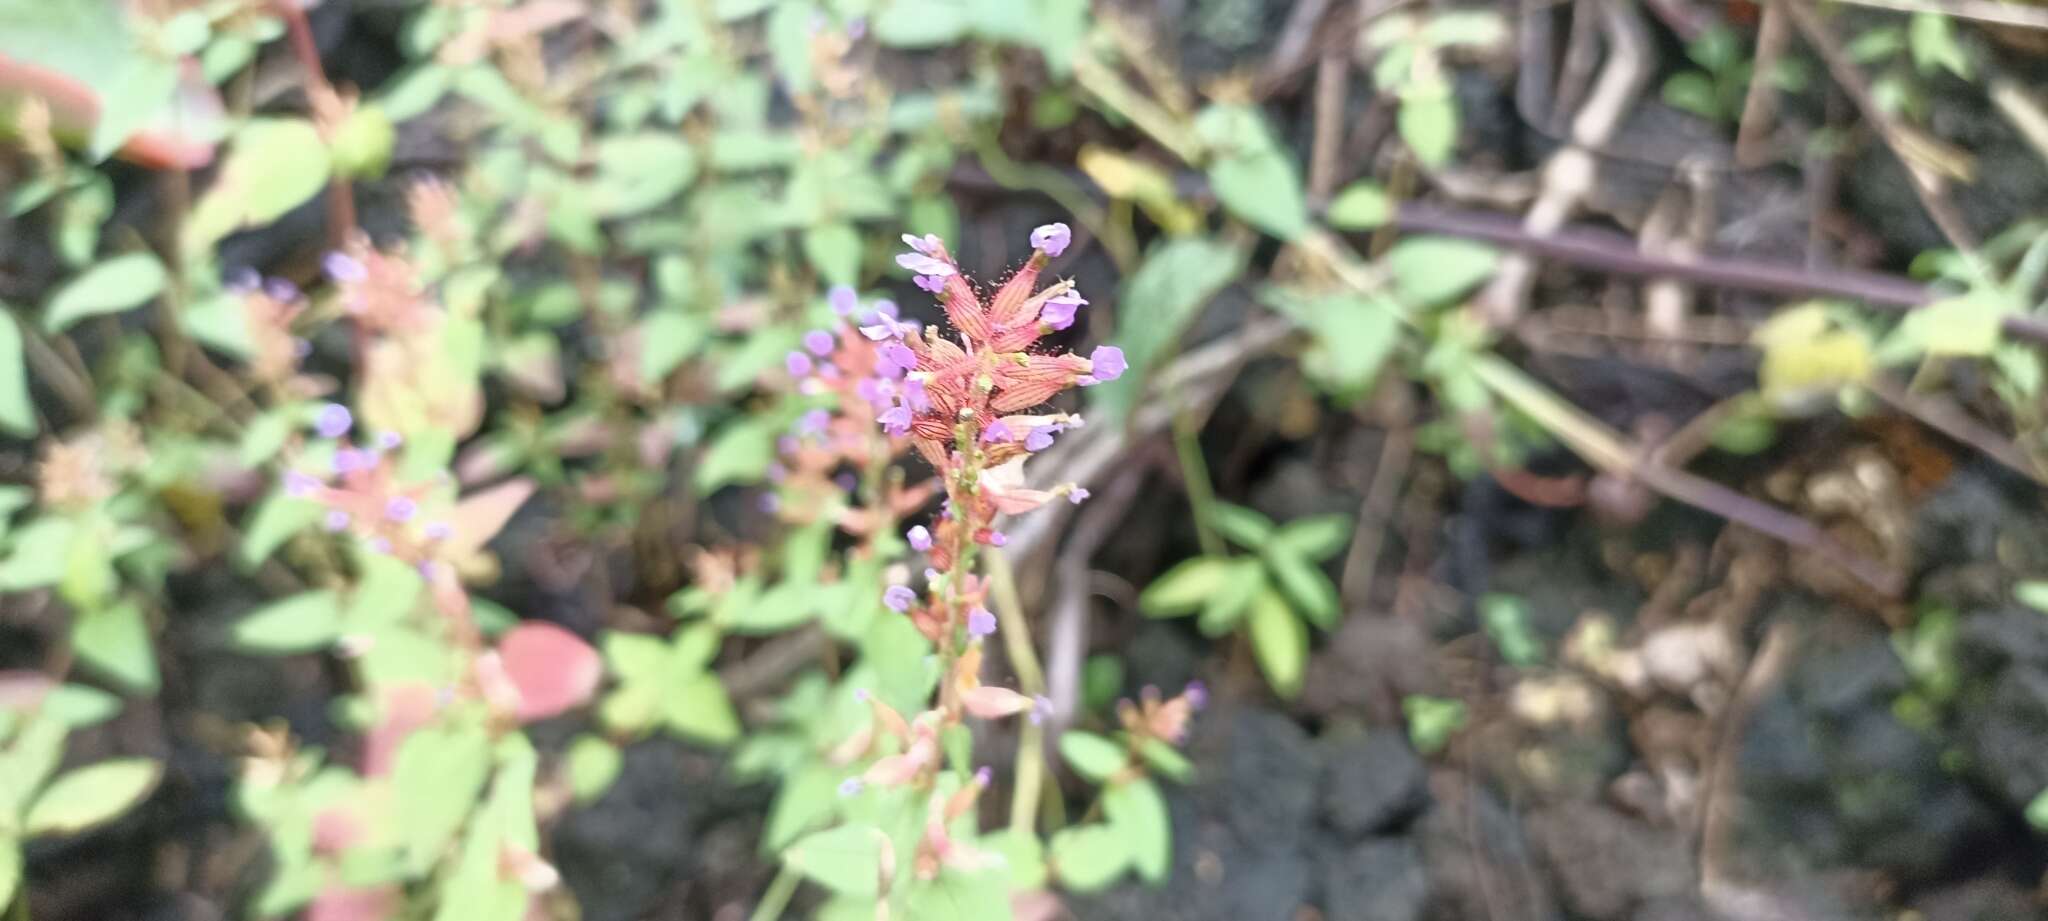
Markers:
point(1031, 679)
point(778, 895)
point(1195, 471)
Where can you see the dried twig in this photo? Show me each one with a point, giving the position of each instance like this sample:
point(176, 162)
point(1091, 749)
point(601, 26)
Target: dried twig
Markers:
point(1333, 84)
point(1758, 104)
point(1716, 811)
point(1361, 564)
point(1992, 11)
point(1067, 637)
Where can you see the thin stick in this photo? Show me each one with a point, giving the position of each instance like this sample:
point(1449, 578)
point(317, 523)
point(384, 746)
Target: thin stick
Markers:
point(1361, 565)
point(1993, 11)
point(1030, 772)
point(1333, 84)
point(1759, 103)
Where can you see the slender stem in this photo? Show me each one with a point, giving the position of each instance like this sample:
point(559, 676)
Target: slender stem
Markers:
point(776, 899)
point(1009, 606)
point(1201, 494)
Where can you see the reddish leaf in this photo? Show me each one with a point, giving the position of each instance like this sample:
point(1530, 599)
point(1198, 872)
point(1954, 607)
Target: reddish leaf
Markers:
point(338, 903)
point(553, 669)
point(335, 829)
point(406, 707)
point(480, 516)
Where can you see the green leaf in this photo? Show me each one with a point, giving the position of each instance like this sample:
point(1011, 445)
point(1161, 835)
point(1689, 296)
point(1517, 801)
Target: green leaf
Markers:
point(1159, 302)
point(37, 559)
point(1693, 92)
point(637, 173)
point(1507, 621)
point(306, 622)
point(667, 339)
point(1428, 121)
point(789, 44)
point(1138, 813)
point(435, 781)
point(834, 250)
point(1087, 858)
point(846, 860)
point(741, 452)
point(1185, 588)
point(79, 707)
point(1307, 588)
point(275, 520)
point(1241, 526)
point(1361, 206)
point(2037, 811)
point(1934, 46)
point(1167, 760)
point(17, 411)
point(115, 642)
point(805, 801)
point(2033, 593)
point(1023, 854)
point(1224, 609)
point(1279, 643)
point(121, 283)
point(1432, 721)
point(1966, 326)
point(273, 165)
point(1428, 271)
point(129, 82)
point(1091, 755)
point(958, 895)
point(91, 795)
point(593, 765)
point(1317, 537)
point(699, 709)
point(1465, 27)
point(921, 23)
point(783, 607)
point(1251, 173)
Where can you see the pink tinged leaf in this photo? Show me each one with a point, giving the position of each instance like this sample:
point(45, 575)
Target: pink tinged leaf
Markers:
point(990, 702)
point(553, 670)
point(480, 516)
point(344, 904)
point(335, 830)
point(406, 707)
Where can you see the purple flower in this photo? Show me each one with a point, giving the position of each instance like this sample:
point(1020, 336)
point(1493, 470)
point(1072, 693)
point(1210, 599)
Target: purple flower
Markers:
point(998, 539)
point(1078, 496)
point(899, 598)
point(389, 441)
point(879, 392)
point(921, 264)
point(819, 342)
point(997, 433)
point(401, 509)
point(924, 245)
point(980, 622)
point(1107, 363)
point(336, 520)
point(851, 786)
point(880, 331)
point(844, 300)
point(769, 503)
point(281, 290)
point(932, 283)
point(1040, 709)
point(920, 538)
point(915, 397)
point(1040, 438)
point(886, 308)
point(896, 421)
point(1197, 694)
point(813, 422)
point(1052, 239)
point(900, 354)
point(777, 473)
point(350, 460)
point(299, 484)
point(333, 421)
point(439, 530)
point(1059, 310)
point(982, 776)
point(846, 482)
point(799, 364)
point(343, 267)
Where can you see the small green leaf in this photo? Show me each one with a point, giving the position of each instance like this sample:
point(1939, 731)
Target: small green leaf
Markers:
point(1279, 643)
point(805, 801)
point(1091, 755)
point(1307, 588)
point(1086, 858)
point(1428, 121)
point(740, 452)
point(1137, 811)
point(667, 339)
point(1185, 588)
point(2037, 811)
point(115, 642)
point(37, 560)
point(306, 622)
point(1317, 537)
point(1240, 525)
point(1023, 853)
point(921, 23)
point(699, 709)
point(834, 250)
point(1429, 271)
point(1263, 190)
point(17, 411)
point(1693, 92)
point(2033, 593)
point(1967, 326)
point(959, 895)
point(1167, 760)
point(1432, 721)
point(118, 284)
point(637, 173)
point(593, 765)
point(275, 520)
point(1934, 46)
point(846, 860)
point(1361, 206)
point(783, 607)
point(91, 795)
point(79, 707)
point(436, 778)
point(1225, 609)
point(1507, 621)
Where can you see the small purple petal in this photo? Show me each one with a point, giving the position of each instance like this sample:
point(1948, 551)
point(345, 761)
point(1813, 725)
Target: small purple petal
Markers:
point(915, 397)
point(860, 694)
point(1039, 439)
point(244, 280)
point(846, 482)
point(333, 421)
point(299, 484)
point(336, 520)
point(997, 433)
point(769, 503)
point(899, 598)
point(281, 290)
point(389, 441)
point(896, 421)
point(1052, 239)
point(343, 267)
point(1041, 708)
point(1107, 363)
point(1059, 310)
point(925, 244)
point(798, 364)
point(819, 342)
point(851, 786)
point(900, 354)
point(777, 473)
point(921, 264)
point(982, 776)
point(350, 460)
point(981, 622)
point(1078, 496)
point(381, 545)
point(932, 283)
point(880, 331)
point(814, 422)
point(844, 300)
point(886, 308)
point(998, 539)
point(439, 530)
point(401, 509)
point(920, 538)
point(1197, 694)
point(787, 444)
